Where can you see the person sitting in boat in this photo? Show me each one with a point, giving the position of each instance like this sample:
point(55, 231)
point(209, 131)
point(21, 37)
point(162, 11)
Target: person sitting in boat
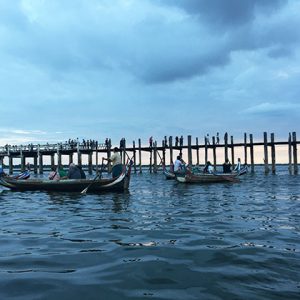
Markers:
point(54, 174)
point(227, 166)
point(62, 173)
point(74, 172)
point(238, 166)
point(208, 168)
point(116, 161)
point(83, 176)
point(2, 173)
point(179, 165)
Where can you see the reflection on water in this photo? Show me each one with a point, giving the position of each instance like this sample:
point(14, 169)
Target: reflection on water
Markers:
point(161, 240)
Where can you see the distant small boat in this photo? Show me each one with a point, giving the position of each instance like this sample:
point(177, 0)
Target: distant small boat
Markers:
point(207, 178)
point(119, 183)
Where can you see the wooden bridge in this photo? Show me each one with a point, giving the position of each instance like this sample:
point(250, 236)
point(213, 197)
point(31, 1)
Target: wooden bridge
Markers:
point(157, 153)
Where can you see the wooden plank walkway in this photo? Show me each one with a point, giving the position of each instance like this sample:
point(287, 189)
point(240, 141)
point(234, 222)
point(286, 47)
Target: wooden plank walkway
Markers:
point(157, 153)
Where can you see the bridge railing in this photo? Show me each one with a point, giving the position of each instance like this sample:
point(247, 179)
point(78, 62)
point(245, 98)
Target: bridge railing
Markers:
point(5, 150)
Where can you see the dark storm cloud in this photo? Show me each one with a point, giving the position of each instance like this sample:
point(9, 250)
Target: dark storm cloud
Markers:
point(146, 62)
point(280, 52)
point(153, 49)
point(234, 26)
point(228, 13)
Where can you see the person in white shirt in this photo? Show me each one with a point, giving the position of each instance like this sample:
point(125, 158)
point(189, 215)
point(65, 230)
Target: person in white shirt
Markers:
point(208, 168)
point(116, 161)
point(179, 165)
point(238, 166)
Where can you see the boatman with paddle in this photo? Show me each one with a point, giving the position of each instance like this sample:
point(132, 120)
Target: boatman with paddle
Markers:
point(116, 161)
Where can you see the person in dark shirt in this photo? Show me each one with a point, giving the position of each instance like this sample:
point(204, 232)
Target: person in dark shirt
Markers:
point(227, 166)
point(83, 176)
point(74, 172)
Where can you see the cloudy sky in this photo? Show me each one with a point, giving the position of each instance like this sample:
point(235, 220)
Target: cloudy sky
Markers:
point(135, 68)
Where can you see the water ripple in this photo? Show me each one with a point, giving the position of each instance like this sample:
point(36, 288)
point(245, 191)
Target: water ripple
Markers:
point(162, 240)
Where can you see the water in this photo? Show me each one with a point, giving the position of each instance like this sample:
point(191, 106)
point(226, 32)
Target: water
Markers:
point(162, 240)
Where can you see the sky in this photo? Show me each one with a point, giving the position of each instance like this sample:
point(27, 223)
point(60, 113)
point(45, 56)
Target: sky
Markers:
point(139, 68)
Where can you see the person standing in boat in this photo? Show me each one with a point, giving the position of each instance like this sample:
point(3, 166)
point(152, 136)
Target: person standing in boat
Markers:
point(116, 161)
point(227, 166)
point(238, 166)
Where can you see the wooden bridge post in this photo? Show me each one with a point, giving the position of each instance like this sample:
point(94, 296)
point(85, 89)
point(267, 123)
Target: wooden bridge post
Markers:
point(251, 153)
point(52, 161)
point(273, 153)
point(190, 155)
point(108, 153)
point(35, 163)
point(58, 155)
point(171, 149)
point(90, 162)
point(164, 152)
point(11, 165)
point(266, 160)
point(134, 156)
point(140, 156)
point(23, 160)
point(97, 158)
point(295, 153)
point(290, 152)
point(58, 159)
point(232, 150)
point(155, 157)
point(205, 150)
point(150, 166)
point(214, 151)
point(124, 152)
point(226, 145)
point(41, 166)
point(79, 158)
point(197, 153)
point(245, 149)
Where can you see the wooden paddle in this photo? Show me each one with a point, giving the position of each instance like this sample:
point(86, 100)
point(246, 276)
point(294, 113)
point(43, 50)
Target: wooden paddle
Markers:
point(96, 177)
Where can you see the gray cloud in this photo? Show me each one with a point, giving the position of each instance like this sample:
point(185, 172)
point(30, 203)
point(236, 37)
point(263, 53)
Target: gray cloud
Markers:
point(229, 13)
point(137, 62)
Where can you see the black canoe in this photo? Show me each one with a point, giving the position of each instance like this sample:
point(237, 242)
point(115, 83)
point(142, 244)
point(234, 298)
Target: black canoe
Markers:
point(207, 178)
point(120, 183)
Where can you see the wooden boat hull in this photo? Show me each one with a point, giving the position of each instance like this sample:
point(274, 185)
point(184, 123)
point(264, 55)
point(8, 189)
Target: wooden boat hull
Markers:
point(120, 183)
point(207, 178)
point(169, 175)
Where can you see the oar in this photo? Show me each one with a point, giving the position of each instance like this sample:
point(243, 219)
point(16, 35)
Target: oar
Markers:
point(96, 177)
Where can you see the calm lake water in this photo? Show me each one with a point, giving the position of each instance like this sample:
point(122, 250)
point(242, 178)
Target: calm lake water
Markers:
point(162, 240)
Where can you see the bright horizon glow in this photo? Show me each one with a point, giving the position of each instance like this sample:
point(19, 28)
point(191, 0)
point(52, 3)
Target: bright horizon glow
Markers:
point(280, 150)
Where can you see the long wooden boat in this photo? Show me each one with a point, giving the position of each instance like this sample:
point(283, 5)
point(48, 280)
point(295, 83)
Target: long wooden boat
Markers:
point(207, 178)
point(120, 183)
